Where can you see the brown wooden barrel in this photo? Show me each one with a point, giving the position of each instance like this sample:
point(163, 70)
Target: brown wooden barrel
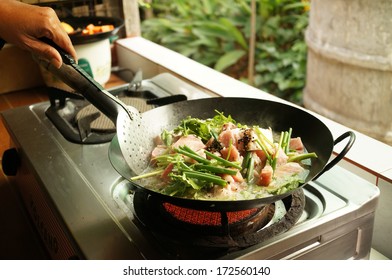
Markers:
point(349, 67)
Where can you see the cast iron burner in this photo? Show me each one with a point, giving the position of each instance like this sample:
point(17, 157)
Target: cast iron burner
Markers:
point(182, 231)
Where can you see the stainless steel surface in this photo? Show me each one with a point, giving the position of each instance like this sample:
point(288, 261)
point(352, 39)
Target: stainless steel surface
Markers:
point(87, 195)
point(337, 222)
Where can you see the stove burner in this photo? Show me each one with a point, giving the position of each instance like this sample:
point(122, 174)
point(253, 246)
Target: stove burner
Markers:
point(218, 223)
point(183, 231)
point(205, 218)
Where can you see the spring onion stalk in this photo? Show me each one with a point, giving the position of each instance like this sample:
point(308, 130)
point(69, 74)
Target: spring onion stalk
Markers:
point(192, 155)
point(230, 148)
point(264, 148)
point(300, 157)
point(287, 148)
point(247, 157)
point(205, 177)
point(223, 161)
point(263, 139)
point(215, 169)
point(166, 159)
point(249, 171)
point(213, 133)
point(183, 166)
point(280, 143)
point(146, 175)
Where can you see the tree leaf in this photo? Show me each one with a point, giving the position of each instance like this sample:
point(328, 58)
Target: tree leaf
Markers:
point(228, 59)
point(233, 31)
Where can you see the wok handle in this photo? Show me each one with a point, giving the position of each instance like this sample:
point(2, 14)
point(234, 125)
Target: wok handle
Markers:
point(75, 77)
point(340, 156)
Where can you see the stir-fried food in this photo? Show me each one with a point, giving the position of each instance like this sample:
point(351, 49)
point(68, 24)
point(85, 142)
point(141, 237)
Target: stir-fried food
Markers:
point(220, 159)
point(90, 29)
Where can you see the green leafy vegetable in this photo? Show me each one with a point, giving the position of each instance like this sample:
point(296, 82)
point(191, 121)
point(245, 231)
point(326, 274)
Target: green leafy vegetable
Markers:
point(205, 129)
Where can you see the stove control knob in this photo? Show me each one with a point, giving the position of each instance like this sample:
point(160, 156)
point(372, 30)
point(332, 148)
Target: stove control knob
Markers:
point(10, 162)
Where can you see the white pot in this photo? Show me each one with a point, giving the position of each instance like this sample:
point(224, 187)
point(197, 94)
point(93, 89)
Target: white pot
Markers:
point(95, 59)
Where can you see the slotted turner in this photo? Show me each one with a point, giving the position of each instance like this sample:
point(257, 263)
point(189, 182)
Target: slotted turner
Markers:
point(132, 133)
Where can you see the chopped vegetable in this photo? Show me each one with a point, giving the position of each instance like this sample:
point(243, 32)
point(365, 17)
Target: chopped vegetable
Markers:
point(220, 159)
point(94, 29)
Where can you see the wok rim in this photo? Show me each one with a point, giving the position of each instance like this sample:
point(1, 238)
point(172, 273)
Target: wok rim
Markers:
point(117, 161)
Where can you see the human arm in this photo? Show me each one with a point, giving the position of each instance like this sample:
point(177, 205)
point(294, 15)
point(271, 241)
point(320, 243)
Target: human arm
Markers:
point(23, 25)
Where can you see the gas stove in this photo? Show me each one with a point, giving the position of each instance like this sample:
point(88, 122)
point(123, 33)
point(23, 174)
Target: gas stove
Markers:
point(83, 209)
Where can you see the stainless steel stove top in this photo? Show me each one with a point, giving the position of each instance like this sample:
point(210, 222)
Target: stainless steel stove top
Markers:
point(82, 211)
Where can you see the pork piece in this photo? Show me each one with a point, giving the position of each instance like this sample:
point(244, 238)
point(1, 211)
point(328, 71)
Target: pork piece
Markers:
point(159, 150)
point(228, 126)
point(261, 155)
point(232, 186)
point(194, 143)
point(296, 144)
point(288, 169)
point(230, 137)
point(191, 141)
point(238, 177)
point(258, 163)
point(231, 154)
point(281, 157)
point(247, 140)
point(213, 145)
point(266, 176)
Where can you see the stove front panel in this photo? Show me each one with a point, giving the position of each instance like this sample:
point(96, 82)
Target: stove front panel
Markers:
point(76, 180)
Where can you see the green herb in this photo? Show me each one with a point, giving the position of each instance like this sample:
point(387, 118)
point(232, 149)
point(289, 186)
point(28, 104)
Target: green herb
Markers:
point(205, 129)
point(223, 161)
point(205, 177)
point(190, 153)
point(167, 137)
point(146, 175)
point(215, 169)
point(300, 157)
point(249, 171)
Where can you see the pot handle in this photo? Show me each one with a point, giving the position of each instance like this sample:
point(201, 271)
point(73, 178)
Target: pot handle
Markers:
point(340, 156)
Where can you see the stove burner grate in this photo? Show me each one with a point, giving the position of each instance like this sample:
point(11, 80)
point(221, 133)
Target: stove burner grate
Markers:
point(80, 122)
point(102, 123)
point(176, 233)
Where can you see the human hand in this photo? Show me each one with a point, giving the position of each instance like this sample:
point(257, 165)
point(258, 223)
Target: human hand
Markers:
point(23, 25)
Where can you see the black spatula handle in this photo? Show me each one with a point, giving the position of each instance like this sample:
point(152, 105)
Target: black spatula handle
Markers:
point(78, 79)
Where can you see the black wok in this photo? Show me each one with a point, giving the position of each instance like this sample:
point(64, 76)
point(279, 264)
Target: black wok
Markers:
point(130, 148)
point(280, 117)
point(79, 23)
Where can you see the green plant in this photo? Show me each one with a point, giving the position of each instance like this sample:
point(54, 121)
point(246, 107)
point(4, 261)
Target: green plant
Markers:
point(216, 33)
